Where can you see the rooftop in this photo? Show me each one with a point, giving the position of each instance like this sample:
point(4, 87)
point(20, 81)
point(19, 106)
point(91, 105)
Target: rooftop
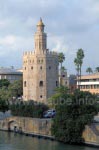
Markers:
point(9, 71)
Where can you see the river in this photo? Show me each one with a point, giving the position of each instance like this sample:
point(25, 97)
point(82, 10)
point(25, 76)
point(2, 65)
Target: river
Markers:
point(11, 141)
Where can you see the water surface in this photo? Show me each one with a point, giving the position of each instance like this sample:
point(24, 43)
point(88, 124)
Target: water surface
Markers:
point(11, 141)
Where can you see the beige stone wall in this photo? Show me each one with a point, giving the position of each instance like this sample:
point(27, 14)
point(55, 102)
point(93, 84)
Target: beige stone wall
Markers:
point(28, 125)
point(91, 134)
point(36, 68)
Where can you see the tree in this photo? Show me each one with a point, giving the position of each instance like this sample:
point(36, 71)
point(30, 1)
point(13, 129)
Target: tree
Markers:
point(61, 93)
point(78, 63)
point(61, 58)
point(16, 89)
point(4, 83)
point(3, 105)
point(28, 109)
point(72, 115)
point(63, 68)
point(89, 70)
point(97, 69)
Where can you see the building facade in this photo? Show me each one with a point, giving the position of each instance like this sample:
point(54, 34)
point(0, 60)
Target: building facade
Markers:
point(10, 74)
point(90, 83)
point(63, 78)
point(40, 69)
point(68, 81)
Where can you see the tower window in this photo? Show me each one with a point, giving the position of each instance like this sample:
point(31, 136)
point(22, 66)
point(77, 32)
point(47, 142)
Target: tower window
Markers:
point(41, 96)
point(63, 75)
point(66, 82)
point(25, 68)
point(56, 83)
point(24, 83)
point(49, 67)
point(41, 67)
point(41, 83)
point(32, 68)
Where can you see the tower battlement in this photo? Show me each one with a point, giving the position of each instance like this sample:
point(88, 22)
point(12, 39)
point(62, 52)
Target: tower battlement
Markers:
point(45, 52)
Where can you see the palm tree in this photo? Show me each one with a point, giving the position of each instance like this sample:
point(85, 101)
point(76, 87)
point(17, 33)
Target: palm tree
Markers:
point(97, 69)
point(63, 68)
point(61, 58)
point(89, 70)
point(78, 63)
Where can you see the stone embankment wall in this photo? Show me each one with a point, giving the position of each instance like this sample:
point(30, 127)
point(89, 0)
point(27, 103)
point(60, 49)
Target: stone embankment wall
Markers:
point(27, 125)
point(91, 134)
point(43, 127)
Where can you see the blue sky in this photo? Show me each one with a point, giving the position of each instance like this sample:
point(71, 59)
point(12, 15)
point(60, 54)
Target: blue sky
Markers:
point(70, 25)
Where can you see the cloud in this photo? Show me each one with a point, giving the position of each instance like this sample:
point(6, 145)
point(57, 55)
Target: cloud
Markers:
point(70, 24)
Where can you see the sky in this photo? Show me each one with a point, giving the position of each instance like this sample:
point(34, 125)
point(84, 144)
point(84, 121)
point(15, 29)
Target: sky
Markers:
point(69, 24)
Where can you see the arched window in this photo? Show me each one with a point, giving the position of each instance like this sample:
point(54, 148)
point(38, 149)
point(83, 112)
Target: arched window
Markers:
point(24, 83)
point(41, 83)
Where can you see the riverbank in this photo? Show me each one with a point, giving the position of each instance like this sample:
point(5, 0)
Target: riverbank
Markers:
point(41, 128)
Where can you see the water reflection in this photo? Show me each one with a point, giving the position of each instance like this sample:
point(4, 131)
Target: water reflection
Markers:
point(11, 141)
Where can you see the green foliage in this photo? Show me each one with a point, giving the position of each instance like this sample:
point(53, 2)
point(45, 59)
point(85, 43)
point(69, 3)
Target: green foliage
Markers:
point(61, 58)
point(72, 115)
point(4, 83)
point(28, 109)
point(16, 89)
point(8, 91)
point(97, 69)
point(63, 68)
point(89, 70)
point(61, 93)
point(78, 61)
point(3, 106)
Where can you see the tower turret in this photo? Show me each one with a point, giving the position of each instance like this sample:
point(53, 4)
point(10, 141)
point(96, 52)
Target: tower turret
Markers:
point(40, 38)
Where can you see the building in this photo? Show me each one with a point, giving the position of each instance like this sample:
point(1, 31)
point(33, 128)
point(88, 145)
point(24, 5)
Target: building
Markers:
point(69, 81)
point(10, 74)
point(90, 83)
point(40, 69)
point(63, 78)
point(72, 79)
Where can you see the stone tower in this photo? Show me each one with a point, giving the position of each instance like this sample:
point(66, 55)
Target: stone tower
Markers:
point(40, 69)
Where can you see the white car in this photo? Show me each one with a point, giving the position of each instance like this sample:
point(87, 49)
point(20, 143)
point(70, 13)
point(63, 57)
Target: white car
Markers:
point(50, 113)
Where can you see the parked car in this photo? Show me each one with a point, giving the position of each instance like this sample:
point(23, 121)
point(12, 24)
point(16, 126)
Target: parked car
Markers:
point(50, 113)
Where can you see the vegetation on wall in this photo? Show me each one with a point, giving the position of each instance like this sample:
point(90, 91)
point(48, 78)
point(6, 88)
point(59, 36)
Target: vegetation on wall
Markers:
point(74, 111)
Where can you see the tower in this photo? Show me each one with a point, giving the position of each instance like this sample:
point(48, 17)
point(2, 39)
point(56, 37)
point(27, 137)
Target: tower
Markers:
point(40, 69)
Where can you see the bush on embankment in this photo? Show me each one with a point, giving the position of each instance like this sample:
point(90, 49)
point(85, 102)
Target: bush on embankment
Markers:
point(74, 111)
point(28, 109)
